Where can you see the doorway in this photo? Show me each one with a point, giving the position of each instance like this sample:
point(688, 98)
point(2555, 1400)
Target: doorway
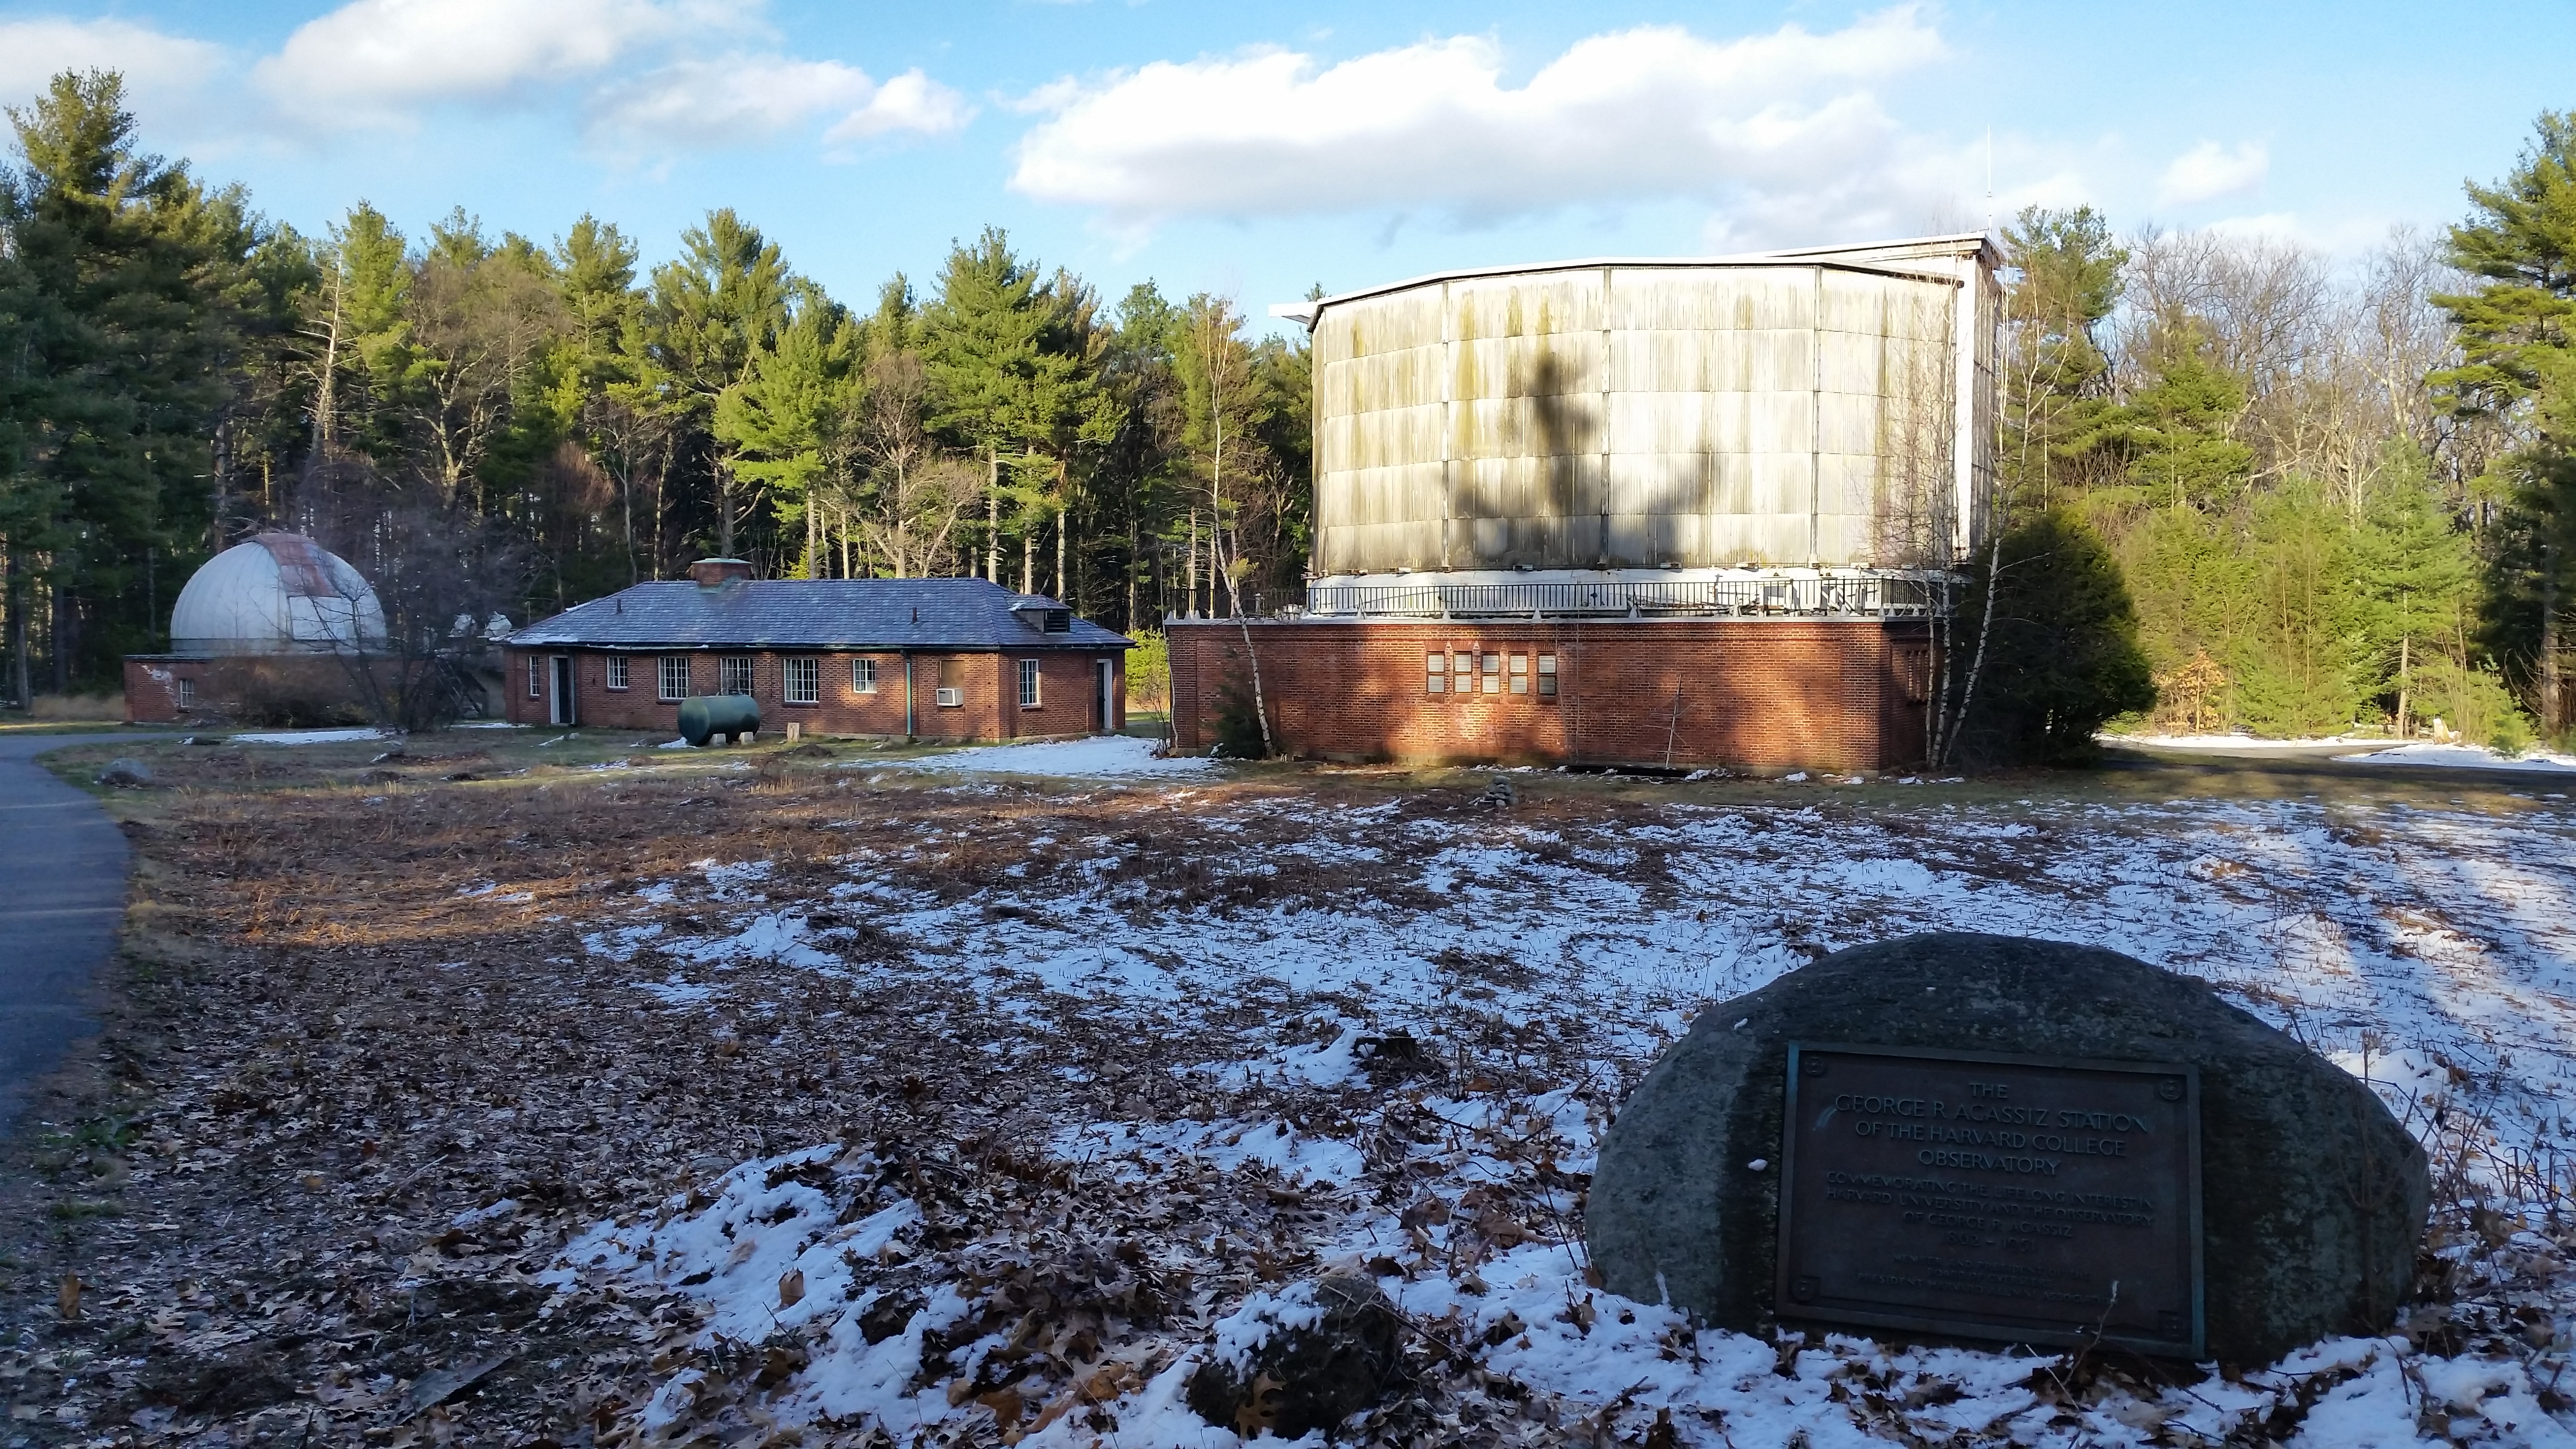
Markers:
point(560, 711)
point(1105, 698)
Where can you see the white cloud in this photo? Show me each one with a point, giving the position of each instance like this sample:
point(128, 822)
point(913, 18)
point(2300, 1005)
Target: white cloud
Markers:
point(911, 102)
point(645, 75)
point(378, 61)
point(2209, 171)
point(1782, 127)
point(161, 71)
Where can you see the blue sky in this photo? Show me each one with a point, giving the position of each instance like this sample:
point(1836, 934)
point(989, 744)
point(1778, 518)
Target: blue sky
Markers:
point(1255, 150)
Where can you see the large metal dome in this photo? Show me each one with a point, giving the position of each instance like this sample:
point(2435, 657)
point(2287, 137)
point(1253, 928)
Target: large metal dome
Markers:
point(277, 593)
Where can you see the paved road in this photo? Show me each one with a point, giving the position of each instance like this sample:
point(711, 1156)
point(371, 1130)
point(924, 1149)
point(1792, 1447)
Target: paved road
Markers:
point(62, 894)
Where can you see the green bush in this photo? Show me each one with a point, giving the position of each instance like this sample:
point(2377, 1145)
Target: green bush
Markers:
point(2062, 658)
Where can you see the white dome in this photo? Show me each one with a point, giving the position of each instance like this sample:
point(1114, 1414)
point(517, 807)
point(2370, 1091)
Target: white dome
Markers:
point(276, 593)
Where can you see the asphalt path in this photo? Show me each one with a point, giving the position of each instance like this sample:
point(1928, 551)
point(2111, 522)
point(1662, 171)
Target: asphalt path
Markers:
point(62, 896)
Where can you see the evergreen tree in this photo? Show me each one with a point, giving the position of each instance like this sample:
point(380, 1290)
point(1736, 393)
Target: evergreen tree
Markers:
point(713, 310)
point(796, 399)
point(2517, 336)
point(124, 276)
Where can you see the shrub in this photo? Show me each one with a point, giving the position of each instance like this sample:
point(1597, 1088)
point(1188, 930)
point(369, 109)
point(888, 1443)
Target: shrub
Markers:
point(2062, 658)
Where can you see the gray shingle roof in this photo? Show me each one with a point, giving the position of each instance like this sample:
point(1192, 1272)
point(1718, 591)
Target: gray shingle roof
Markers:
point(838, 614)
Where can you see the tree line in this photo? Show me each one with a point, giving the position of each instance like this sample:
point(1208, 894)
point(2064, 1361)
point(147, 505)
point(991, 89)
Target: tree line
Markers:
point(2247, 489)
point(559, 422)
point(2244, 486)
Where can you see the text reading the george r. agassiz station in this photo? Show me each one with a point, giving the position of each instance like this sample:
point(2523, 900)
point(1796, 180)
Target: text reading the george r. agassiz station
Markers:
point(1998, 1196)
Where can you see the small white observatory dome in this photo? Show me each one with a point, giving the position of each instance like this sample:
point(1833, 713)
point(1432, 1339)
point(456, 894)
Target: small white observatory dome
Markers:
point(278, 593)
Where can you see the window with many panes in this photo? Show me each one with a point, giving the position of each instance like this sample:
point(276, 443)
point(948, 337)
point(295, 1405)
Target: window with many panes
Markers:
point(675, 676)
point(536, 679)
point(187, 694)
point(1435, 673)
point(804, 681)
point(1547, 676)
point(617, 671)
point(733, 674)
point(1028, 684)
point(863, 676)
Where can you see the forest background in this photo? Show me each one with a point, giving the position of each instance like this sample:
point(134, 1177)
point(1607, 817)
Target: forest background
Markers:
point(2304, 494)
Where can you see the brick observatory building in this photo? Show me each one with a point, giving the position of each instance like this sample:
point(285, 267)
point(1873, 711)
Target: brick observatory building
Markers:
point(1685, 513)
point(948, 659)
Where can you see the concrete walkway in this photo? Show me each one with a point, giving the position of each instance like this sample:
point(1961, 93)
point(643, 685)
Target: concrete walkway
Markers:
point(62, 896)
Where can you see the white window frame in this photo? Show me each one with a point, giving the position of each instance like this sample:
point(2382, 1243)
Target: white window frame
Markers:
point(731, 666)
point(536, 678)
point(863, 676)
point(1031, 676)
point(616, 671)
point(186, 691)
point(673, 664)
point(801, 680)
point(1435, 673)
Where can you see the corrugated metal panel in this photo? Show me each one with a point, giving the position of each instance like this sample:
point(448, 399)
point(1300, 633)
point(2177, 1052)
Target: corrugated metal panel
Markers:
point(1769, 411)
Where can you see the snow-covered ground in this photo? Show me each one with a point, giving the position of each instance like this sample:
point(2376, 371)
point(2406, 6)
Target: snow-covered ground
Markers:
point(312, 737)
point(2230, 742)
point(1096, 757)
point(2473, 756)
point(1530, 966)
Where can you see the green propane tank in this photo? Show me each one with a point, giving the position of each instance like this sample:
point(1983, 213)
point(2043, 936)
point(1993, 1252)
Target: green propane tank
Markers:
point(703, 717)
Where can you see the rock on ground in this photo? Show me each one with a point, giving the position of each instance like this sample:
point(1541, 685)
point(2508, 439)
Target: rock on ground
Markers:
point(1328, 1354)
point(2313, 1198)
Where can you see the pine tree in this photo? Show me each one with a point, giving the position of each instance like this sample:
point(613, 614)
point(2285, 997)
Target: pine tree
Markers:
point(128, 271)
point(2517, 336)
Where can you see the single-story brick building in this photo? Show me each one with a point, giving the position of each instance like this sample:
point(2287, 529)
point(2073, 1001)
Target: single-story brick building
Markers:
point(952, 659)
point(1780, 693)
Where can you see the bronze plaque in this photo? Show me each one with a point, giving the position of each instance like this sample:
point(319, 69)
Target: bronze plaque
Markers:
point(2042, 1200)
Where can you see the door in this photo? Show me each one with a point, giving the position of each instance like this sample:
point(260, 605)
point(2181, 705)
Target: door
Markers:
point(560, 705)
point(1105, 698)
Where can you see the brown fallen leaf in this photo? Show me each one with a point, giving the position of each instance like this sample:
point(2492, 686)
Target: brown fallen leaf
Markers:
point(791, 1287)
point(69, 1295)
point(1260, 1408)
point(1006, 1405)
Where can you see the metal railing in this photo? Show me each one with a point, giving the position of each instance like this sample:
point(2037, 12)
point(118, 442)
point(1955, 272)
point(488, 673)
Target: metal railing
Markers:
point(1868, 595)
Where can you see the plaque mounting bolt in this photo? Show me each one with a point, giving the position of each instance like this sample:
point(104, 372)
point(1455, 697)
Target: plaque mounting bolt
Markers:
point(2169, 1090)
point(1815, 1066)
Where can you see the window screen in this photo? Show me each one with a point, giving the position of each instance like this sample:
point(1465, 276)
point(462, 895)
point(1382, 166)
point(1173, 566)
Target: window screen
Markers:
point(735, 675)
point(863, 676)
point(1435, 673)
point(1028, 684)
point(675, 676)
point(617, 671)
point(804, 681)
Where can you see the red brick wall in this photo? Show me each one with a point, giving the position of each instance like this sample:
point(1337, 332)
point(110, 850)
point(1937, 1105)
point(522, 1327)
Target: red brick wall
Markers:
point(152, 689)
point(988, 686)
point(225, 682)
point(1767, 694)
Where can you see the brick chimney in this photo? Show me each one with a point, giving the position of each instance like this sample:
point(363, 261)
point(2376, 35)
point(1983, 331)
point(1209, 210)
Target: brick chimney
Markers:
point(715, 573)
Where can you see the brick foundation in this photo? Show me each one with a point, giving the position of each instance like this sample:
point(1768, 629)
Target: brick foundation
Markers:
point(1837, 694)
point(987, 685)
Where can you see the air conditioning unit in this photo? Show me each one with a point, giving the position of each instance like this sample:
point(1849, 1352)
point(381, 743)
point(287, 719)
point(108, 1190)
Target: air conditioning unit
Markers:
point(950, 698)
